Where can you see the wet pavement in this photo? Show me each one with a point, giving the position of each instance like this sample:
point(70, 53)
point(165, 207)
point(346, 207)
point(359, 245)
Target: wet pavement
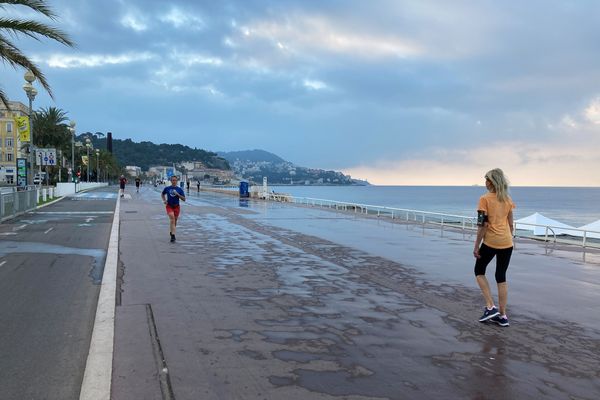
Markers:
point(51, 263)
point(263, 300)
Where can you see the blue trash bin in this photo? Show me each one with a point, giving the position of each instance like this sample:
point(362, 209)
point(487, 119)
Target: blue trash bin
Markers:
point(244, 189)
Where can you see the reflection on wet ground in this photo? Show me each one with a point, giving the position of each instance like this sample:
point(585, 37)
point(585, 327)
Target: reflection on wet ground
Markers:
point(336, 320)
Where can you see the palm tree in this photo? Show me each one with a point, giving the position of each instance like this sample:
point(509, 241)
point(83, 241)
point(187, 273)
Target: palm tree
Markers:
point(51, 129)
point(14, 28)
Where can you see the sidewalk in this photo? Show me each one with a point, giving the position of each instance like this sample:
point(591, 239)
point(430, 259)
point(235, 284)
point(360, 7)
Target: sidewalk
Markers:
point(271, 301)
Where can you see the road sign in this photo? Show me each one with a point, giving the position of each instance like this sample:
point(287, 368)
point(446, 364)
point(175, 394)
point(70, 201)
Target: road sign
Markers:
point(45, 157)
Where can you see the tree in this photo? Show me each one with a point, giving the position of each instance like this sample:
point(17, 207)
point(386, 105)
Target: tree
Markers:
point(15, 28)
point(50, 129)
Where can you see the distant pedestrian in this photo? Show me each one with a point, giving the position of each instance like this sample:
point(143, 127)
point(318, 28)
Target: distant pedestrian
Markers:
point(170, 197)
point(187, 183)
point(138, 182)
point(198, 185)
point(494, 238)
point(122, 182)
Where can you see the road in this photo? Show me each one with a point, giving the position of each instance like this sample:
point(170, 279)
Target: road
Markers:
point(51, 263)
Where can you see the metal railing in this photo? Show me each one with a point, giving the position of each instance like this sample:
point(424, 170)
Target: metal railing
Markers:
point(456, 221)
point(405, 214)
point(14, 202)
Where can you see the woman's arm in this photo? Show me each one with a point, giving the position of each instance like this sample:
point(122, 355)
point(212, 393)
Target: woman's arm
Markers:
point(480, 234)
point(511, 223)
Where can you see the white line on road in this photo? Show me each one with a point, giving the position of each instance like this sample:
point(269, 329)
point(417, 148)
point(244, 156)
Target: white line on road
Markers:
point(48, 230)
point(2, 263)
point(18, 228)
point(8, 233)
point(72, 212)
point(98, 369)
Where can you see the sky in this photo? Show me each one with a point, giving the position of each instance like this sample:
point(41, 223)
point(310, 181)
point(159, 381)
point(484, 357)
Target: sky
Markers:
point(397, 92)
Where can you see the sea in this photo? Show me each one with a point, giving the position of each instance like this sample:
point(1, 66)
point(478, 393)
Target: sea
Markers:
point(570, 205)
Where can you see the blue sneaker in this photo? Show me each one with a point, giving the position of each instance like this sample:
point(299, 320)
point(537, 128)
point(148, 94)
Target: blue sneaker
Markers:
point(500, 320)
point(487, 314)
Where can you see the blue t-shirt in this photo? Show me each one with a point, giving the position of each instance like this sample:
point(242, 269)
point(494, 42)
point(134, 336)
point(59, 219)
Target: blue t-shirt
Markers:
point(172, 198)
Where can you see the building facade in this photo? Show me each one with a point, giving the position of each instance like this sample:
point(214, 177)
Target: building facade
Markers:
point(10, 146)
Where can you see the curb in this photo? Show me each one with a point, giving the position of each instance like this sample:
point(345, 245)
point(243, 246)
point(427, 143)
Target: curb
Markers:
point(98, 369)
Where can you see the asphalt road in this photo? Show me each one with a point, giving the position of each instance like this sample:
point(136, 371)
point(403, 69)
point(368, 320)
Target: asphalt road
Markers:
point(51, 263)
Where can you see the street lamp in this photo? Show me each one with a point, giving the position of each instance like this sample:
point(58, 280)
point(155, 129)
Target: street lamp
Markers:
point(97, 165)
point(72, 129)
point(88, 145)
point(31, 92)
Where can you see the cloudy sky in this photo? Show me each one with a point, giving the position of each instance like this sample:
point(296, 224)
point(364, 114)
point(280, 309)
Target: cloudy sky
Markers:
point(396, 92)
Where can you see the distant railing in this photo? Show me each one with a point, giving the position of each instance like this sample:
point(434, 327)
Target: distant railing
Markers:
point(405, 214)
point(14, 202)
point(456, 221)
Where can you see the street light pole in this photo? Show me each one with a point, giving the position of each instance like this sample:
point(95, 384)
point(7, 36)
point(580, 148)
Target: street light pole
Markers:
point(88, 145)
point(72, 129)
point(31, 92)
point(97, 165)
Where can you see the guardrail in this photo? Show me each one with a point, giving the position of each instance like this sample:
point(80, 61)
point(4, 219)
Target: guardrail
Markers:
point(14, 202)
point(423, 217)
point(405, 214)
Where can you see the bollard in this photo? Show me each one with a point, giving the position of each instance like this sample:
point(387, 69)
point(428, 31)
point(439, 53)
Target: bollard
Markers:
point(44, 195)
point(51, 193)
point(37, 196)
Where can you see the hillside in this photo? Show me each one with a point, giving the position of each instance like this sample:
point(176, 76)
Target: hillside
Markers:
point(147, 154)
point(253, 165)
point(250, 155)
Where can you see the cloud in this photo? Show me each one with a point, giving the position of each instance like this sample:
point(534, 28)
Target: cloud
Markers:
point(64, 61)
point(592, 112)
point(525, 164)
point(182, 19)
point(133, 21)
point(314, 84)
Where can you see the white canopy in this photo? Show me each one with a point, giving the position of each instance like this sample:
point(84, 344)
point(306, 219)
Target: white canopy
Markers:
point(594, 226)
point(539, 219)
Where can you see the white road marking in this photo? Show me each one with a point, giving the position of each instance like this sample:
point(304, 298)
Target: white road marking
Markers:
point(2, 263)
point(48, 230)
point(18, 228)
point(98, 369)
point(8, 233)
point(72, 212)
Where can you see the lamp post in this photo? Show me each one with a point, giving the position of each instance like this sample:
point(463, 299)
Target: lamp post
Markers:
point(72, 129)
point(97, 165)
point(31, 92)
point(88, 145)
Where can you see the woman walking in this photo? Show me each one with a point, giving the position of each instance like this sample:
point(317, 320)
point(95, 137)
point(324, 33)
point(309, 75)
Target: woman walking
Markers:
point(494, 238)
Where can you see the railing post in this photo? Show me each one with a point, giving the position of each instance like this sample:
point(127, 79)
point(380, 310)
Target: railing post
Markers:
point(546, 236)
point(584, 238)
point(392, 215)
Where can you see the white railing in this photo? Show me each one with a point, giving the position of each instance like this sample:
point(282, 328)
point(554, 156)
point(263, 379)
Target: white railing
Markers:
point(405, 214)
point(584, 232)
point(443, 219)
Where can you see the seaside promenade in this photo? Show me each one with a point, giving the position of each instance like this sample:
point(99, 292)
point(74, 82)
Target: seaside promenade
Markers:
point(261, 300)
point(264, 300)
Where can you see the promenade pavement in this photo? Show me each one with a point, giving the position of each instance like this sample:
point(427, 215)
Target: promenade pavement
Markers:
point(263, 300)
point(51, 264)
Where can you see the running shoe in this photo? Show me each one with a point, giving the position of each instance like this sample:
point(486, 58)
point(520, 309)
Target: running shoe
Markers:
point(487, 314)
point(172, 238)
point(501, 320)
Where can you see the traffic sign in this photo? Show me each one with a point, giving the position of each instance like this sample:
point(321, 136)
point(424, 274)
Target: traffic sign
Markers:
point(45, 157)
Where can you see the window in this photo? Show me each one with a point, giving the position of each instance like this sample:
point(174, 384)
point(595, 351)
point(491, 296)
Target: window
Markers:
point(9, 156)
point(9, 127)
point(9, 142)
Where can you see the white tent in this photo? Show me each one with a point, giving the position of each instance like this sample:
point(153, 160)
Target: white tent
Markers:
point(539, 219)
point(594, 226)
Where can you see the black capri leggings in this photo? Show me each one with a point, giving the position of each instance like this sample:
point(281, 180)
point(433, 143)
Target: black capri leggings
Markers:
point(486, 254)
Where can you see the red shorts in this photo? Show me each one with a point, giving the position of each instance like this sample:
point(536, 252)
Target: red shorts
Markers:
point(173, 210)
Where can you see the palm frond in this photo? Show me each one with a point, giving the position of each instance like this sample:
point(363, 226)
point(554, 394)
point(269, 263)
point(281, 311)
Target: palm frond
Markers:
point(36, 5)
point(12, 55)
point(4, 99)
point(34, 29)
